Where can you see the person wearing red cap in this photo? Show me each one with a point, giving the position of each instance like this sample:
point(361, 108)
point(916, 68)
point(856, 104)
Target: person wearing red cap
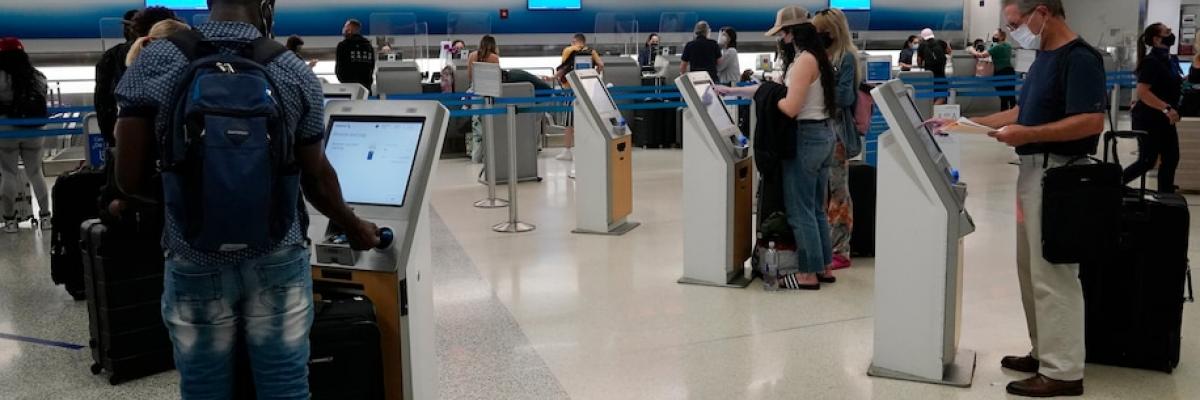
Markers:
point(22, 95)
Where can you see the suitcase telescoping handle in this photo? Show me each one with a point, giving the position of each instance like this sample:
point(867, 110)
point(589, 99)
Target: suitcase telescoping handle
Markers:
point(1110, 147)
point(1191, 295)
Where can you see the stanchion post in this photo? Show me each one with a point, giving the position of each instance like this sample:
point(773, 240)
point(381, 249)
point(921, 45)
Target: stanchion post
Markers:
point(513, 225)
point(489, 148)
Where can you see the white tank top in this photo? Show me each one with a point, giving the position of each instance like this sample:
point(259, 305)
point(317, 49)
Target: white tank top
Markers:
point(814, 102)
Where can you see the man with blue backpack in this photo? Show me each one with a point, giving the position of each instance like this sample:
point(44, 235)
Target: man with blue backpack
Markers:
point(231, 125)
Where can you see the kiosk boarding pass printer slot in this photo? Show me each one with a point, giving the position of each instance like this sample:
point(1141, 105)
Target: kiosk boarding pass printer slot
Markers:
point(718, 189)
point(385, 153)
point(918, 277)
point(603, 159)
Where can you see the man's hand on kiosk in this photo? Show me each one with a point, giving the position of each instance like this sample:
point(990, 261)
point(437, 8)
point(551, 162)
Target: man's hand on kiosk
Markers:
point(1013, 135)
point(363, 235)
point(936, 124)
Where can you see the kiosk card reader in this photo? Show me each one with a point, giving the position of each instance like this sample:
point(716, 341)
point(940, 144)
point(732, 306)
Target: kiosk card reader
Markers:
point(718, 189)
point(919, 251)
point(385, 153)
point(603, 159)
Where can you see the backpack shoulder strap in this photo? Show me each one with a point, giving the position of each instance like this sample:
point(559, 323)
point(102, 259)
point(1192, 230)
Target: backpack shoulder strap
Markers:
point(264, 50)
point(192, 44)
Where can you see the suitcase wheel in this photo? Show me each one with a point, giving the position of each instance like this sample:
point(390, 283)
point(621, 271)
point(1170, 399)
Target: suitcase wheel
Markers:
point(114, 380)
point(79, 296)
point(97, 369)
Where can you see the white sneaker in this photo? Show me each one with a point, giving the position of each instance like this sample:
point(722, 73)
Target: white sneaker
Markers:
point(10, 226)
point(566, 155)
point(44, 223)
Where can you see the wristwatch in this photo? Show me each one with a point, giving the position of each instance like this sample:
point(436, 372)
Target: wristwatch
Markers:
point(1168, 109)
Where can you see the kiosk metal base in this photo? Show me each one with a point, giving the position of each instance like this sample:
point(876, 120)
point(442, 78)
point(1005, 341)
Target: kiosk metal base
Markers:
point(616, 231)
point(738, 283)
point(513, 227)
point(958, 374)
point(491, 203)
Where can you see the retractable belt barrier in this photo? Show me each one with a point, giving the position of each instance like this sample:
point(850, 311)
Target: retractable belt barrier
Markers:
point(988, 86)
point(63, 121)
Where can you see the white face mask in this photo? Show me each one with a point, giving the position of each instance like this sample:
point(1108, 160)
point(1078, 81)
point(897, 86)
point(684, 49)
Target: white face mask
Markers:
point(722, 39)
point(1027, 38)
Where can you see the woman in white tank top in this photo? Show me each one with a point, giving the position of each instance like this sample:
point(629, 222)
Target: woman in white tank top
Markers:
point(809, 78)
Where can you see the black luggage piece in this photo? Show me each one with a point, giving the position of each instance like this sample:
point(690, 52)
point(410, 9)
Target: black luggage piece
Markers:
point(862, 191)
point(654, 128)
point(123, 272)
point(1134, 296)
point(345, 359)
point(74, 198)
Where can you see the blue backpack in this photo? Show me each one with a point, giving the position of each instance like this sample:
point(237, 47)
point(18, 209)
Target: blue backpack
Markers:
point(230, 180)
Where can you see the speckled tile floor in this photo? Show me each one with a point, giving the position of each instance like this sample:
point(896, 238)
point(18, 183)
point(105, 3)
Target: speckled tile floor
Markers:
point(548, 314)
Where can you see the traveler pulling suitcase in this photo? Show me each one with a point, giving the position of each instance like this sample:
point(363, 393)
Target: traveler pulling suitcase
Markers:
point(1134, 297)
point(862, 191)
point(123, 272)
point(74, 197)
point(345, 357)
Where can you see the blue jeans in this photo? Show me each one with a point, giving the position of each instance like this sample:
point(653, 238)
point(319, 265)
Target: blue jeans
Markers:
point(805, 185)
point(268, 301)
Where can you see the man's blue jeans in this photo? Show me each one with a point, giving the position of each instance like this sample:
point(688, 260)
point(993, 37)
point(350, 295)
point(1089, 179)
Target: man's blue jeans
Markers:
point(805, 186)
point(267, 301)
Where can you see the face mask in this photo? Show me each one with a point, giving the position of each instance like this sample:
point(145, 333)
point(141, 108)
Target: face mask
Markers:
point(1169, 40)
point(995, 40)
point(825, 38)
point(915, 46)
point(1027, 38)
point(722, 39)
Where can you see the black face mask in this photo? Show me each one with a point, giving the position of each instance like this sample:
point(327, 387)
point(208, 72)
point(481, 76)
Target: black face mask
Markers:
point(995, 40)
point(787, 51)
point(826, 39)
point(1169, 40)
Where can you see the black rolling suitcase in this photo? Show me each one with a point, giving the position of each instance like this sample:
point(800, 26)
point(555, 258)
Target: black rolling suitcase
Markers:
point(74, 197)
point(862, 191)
point(345, 357)
point(652, 129)
point(123, 272)
point(1135, 295)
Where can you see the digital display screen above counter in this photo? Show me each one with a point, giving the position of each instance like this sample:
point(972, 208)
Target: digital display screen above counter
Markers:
point(542, 5)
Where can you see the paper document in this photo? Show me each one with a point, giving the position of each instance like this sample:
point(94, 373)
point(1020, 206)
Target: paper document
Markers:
point(966, 126)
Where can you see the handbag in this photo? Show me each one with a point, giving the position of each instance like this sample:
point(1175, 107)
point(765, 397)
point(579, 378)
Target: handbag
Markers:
point(1081, 209)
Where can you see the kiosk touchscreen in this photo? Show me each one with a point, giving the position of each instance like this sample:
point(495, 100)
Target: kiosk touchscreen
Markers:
point(918, 278)
point(718, 187)
point(603, 159)
point(385, 153)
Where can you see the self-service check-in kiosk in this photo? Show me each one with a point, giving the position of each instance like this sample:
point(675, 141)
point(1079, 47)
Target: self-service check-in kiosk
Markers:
point(718, 189)
point(385, 153)
point(398, 77)
point(919, 251)
point(603, 159)
point(344, 91)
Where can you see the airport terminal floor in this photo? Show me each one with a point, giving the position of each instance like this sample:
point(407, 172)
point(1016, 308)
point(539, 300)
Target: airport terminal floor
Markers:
point(551, 315)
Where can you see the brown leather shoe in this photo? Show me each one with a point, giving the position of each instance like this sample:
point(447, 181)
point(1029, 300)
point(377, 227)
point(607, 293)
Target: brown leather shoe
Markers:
point(1025, 363)
point(1041, 386)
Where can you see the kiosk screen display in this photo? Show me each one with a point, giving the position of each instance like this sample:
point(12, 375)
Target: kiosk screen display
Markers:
point(179, 4)
point(374, 158)
point(715, 107)
point(599, 95)
point(926, 136)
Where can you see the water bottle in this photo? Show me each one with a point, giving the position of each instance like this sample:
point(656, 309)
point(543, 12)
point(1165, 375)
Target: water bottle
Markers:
point(770, 267)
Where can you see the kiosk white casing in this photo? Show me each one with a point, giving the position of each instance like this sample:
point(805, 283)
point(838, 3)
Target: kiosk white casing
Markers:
point(918, 267)
point(603, 159)
point(718, 189)
point(344, 91)
point(399, 279)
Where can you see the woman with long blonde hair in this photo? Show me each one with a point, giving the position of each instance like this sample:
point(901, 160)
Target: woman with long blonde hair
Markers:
point(835, 33)
point(160, 30)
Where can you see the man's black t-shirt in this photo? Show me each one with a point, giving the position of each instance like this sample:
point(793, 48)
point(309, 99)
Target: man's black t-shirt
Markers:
point(933, 56)
point(1045, 100)
point(701, 55)
point(1161, 71)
